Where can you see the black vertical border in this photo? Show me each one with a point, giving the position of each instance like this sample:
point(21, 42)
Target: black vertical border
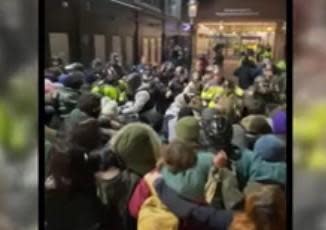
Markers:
point(289, 110)
point(41, 64)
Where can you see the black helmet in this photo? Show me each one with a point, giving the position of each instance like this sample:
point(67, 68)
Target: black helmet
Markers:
point(218, 131)
point(115, 58)
point(76, 66)
point(97, 64)
point(74, 80)
point(110, 74)
point(56, 61)
point(133, 81)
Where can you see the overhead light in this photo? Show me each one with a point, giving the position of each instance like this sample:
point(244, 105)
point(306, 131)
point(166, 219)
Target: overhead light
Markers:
point(284, 26)
point(221, 26)
point(65, 4)
point(192, 8)
point(269, 29)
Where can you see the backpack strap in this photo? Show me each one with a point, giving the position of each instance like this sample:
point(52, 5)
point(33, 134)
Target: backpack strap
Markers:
point(150, 179)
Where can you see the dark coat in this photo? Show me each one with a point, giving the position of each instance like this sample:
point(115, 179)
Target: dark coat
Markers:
point(208, 216)
point(245, 75)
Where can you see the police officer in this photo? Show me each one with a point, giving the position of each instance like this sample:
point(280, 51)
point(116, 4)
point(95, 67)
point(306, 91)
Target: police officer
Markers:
point(142, 97)
point(111, 86)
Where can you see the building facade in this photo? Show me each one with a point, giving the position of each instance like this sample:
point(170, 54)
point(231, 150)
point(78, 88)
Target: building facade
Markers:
point(80, 30)
point(238, 24)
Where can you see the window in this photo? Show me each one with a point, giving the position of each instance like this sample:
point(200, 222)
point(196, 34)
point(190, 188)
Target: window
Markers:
point(99, 47)
point(153, 51)
point(59, 45)
point(159, 50)
point(129, 50)
point(145, 53)
point(173, 8)
point(116, 45)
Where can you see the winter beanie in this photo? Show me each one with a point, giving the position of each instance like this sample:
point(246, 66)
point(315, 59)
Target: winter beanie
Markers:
point(187, 129)
point(256, 124)
point(138, 145)
point(279, 123)
point(270, 148)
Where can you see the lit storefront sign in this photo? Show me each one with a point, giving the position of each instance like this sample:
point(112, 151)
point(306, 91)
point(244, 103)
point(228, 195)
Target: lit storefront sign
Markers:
point(229, 12)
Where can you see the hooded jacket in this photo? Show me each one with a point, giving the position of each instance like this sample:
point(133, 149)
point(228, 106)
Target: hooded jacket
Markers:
point(138, 145)
point(270, 148)
point(190, 183)
point(249, 166)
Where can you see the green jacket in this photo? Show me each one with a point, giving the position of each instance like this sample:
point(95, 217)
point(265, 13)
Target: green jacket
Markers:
point(250, 167)
point(67, 100)
point(191, 182)
point(74, 118)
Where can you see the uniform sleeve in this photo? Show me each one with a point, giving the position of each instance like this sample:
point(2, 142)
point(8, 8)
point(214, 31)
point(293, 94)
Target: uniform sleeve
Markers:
point(140, 194)
point(141, 99)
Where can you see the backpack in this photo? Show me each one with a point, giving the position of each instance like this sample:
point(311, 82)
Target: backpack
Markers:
point(114, 194)
point(153, 213)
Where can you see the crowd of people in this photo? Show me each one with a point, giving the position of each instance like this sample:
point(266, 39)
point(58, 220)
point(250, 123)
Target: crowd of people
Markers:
point(162, 147)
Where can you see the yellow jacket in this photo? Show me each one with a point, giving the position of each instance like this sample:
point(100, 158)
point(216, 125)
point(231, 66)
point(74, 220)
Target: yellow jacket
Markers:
point(153, 213)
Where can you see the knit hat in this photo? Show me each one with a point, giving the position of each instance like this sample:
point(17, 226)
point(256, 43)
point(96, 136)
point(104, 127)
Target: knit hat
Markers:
point(253, 105)
point(187, 129)
point(256, 125)
point(279, 122)
point(138, 145)
point(270, 148)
